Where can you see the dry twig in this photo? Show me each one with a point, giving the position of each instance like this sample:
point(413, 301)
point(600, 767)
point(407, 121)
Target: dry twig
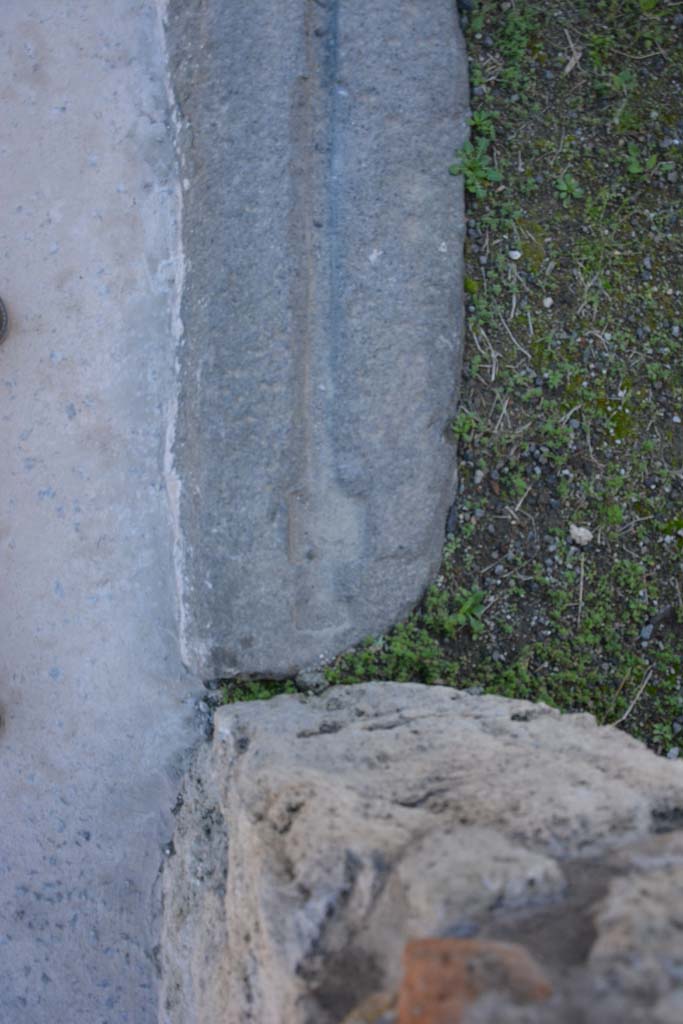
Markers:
point(514, 340)
point(576, 56)
point(635, 700)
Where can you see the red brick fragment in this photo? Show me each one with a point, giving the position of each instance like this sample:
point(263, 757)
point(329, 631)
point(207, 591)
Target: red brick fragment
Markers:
point(442, 977)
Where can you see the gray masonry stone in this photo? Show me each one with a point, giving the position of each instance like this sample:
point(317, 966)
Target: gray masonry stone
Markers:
point(96, 709)
point(322, 311)
point(318, 834)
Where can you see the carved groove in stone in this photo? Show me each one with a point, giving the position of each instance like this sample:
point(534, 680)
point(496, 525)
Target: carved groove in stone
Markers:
point(322, 310)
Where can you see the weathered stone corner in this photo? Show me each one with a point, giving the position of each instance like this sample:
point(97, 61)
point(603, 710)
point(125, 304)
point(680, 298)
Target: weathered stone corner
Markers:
point(319, 835)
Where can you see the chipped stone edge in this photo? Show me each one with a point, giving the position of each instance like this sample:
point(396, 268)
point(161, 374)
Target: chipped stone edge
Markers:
point(172, 479)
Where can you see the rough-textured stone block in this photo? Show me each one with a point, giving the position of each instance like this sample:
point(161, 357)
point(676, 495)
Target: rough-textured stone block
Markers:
point(322, 309)
point(318, 835)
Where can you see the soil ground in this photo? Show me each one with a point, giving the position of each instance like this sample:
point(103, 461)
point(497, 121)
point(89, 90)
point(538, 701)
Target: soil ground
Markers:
point(562, 571)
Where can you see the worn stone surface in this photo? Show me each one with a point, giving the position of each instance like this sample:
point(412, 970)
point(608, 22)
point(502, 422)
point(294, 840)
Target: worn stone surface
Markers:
point(93, 719)
point(632, 972)
point(379, 813)
point(640, 933)
point(319, 363)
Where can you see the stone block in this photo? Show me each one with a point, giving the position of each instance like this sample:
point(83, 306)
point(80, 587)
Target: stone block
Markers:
point(320, 834)
point(312, 466)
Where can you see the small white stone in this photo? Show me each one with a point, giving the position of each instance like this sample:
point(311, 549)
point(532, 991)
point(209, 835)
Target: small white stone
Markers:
point(547, 302)
point(515, 254)
point(478, 477)
point(676, 419)
point(581, 535)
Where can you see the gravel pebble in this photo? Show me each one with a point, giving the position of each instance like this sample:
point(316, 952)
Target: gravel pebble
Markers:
point(581, 535)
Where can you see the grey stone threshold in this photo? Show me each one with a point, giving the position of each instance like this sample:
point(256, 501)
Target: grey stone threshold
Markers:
point(321, 315)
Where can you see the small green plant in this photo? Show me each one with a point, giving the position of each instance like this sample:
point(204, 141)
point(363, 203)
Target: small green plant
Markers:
point(637, 165)
point(634, 163)
point(474, 162)
point(568, 188)
point(448, 615)
point(243, 689)
point(406, 654)
point(662, 734)
point(518, 44)
point(465, 425)
point(482, 123)
point(470, 610)
point(624, 82)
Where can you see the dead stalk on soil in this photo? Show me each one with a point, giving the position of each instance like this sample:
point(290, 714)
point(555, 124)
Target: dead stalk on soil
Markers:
point(635, 700)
